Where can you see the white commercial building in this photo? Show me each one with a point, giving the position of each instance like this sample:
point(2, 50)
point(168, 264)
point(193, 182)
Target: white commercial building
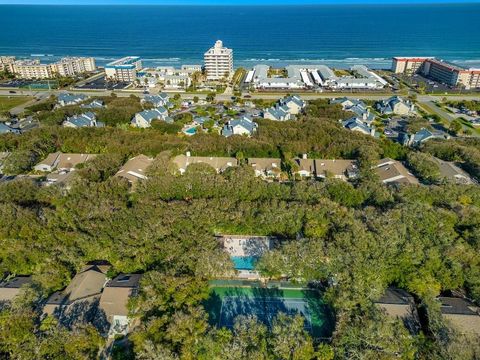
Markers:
point(218, 61)
point(124, 69)
point(314, 77)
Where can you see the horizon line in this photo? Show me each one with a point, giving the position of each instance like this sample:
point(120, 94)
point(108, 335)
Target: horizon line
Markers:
point(329, 3)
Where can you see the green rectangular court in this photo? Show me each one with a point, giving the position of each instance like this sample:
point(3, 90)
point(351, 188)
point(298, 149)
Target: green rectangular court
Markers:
point(228, 302)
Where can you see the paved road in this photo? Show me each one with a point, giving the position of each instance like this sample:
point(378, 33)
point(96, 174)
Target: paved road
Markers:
point(445, 115)
point(224, 97)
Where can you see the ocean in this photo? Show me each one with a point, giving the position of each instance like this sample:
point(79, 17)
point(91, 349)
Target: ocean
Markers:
point(335, 35)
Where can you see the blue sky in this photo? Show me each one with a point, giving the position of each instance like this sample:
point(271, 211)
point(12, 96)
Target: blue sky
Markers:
point(225, 2)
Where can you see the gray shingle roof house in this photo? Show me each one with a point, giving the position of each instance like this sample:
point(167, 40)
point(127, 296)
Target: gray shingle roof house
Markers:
point(358, 107)
point(220, 164)
point(462, 314)
point(338, 169)
point(11, 288)
point(114, 300)
point(306, 167)
point(240, 126)
point(95, 104)
point(346, 102)
point(135, 169)
point(395, 105)
point(70, 99)
point(87, 119)
point(266, 167)
point(79, 296)
point(5, 129)
point(452, 173)
point(294, 104)
point(144, 119)
point(396, 303)
point(393, 172)
point(422, 136)
point(277, 113)
point(161, 99)
point(357, 124)
point(61, 161)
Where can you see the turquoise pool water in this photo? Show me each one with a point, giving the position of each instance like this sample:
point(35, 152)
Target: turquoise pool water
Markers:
point(244, 262)
point(191, 131)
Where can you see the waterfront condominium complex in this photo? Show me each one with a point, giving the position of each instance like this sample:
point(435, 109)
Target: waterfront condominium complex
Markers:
point(218, 61)
point(6, 63)
point(439, 70)
point(33, 69)
point(71, 66)
point(408, 65)
point(124, 69)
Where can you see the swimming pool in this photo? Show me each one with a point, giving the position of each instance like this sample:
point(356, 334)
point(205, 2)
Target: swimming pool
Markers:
point(244, 262)
point(190, 131)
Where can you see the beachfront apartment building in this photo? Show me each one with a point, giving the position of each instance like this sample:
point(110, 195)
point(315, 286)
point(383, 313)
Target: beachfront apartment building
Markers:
point(34, 69)
point(408, 65)
point(6, 63)
point(218, 61)
point(124, 69)
point(71, 66)
point(439, 70)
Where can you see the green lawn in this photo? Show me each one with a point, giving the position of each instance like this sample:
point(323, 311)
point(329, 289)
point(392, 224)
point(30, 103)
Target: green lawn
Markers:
point(7, 103)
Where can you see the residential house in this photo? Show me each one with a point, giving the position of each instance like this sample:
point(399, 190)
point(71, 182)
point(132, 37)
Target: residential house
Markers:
point(357, 124)
point(5, 129)
point(62, 162)
point(419, 137)
point(240, 126)
point(159, 100)
point(135, 169)
point(338, 169)
point(88, 119)
point(200, 120)
point(49, 163)
point(396, 303)
point(294, 104)
point(305, 167)
point(78, 300)
point(277, 113)
point(345, 102)
point(267, 168)
point(452, 173)
point(70, 99)
point(358, 107)
point(114, 300)
point(11, 288)
point(95, 104)
point(461, 314)
point(393, 172)
point(177, 81)
point(220, 164)
point(144, 118)
point(395, 105)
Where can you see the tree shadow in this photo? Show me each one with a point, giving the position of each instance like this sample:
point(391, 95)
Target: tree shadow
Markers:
point(82, 312)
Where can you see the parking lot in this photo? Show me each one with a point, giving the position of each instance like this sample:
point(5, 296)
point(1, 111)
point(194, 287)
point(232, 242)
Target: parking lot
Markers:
point(34, 84)
point(103, 84)
point(430, 86)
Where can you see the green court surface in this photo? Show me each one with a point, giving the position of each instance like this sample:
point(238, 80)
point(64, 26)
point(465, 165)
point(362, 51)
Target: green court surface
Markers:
point(228, 302)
